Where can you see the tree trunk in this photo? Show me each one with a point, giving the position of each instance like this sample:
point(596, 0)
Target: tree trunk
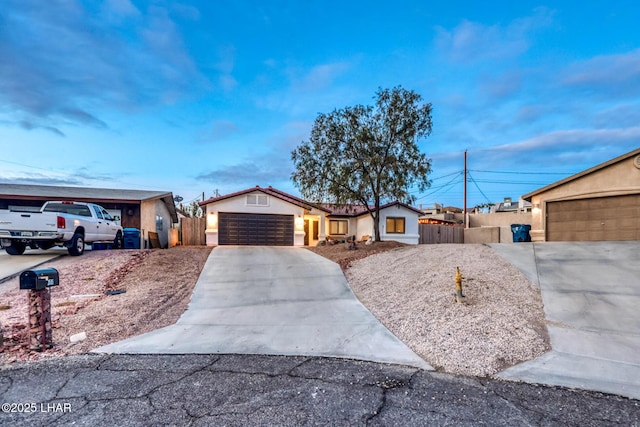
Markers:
point(376, 220)
point(376, 226)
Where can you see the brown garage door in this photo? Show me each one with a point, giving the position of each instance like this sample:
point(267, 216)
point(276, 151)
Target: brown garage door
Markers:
point(603, 218)
point(255, 229)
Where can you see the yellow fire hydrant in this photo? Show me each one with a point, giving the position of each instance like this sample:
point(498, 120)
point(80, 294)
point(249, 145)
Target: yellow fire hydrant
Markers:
point(459, 297)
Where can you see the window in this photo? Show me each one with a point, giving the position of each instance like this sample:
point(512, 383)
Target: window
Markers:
point(257, 200)
point(395, 225)
point(159, 223)
point(69, 208)
point(338, 226)
point(106, 215)
point(98, 211)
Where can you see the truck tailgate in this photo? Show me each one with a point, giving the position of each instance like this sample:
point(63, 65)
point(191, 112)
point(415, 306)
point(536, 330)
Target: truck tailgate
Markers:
point(28, 221)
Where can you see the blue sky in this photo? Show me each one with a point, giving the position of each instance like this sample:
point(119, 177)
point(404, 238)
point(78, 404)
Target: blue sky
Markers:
point(194, 97)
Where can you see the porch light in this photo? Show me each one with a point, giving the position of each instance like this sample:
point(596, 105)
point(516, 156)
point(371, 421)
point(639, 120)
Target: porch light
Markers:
point(299, 222)
point(212, 220)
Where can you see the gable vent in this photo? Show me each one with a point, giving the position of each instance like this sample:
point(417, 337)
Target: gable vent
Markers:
point(636, 162)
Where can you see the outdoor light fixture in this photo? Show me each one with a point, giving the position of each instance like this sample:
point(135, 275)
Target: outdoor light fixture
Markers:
point(212, 220)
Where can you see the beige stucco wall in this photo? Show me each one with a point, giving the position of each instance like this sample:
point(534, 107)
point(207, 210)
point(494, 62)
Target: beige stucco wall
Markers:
point(617, 179)
point(174, 237)
point(482, 235)
point(149, 210)
point(502, 219)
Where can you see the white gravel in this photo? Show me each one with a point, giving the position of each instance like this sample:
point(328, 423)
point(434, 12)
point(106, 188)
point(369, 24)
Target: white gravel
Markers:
point(411, 291)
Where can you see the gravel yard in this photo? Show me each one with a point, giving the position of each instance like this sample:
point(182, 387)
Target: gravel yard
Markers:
point(411, 291)
point(409, 288)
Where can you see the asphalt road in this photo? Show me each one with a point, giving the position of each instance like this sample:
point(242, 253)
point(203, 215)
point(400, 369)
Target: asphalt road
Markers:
point(199, 390)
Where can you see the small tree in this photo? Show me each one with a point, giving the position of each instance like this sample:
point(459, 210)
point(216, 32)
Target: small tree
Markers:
point(194, 210)
point(366, 154)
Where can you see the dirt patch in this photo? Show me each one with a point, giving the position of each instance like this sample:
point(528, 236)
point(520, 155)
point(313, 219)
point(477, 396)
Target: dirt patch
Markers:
point(157, 287)
point(340, 253)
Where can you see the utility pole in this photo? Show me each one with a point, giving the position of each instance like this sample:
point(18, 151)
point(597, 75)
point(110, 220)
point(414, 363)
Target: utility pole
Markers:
point(466, 225)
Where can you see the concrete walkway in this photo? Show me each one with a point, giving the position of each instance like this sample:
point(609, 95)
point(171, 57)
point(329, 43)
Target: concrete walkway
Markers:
point(591, 295)
point(12, 265)
point(278, 301)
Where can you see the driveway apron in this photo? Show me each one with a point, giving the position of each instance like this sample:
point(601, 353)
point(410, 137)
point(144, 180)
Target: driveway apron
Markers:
point(591, 295)
point(278, 301)
point(12, 265)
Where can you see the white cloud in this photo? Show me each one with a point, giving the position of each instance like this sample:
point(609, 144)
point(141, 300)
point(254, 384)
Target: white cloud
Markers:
point(470, 42)
point(319, 77)
point(119, 9)
point(574, 138)
point(616, 75)
point(65, 62)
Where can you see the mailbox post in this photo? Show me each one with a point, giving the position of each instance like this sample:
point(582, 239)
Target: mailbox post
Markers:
point(38, 283)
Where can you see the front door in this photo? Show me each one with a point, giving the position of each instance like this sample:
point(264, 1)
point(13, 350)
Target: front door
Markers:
point(306, 232)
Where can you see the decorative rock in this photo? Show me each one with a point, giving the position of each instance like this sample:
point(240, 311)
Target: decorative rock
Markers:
point(78, 337)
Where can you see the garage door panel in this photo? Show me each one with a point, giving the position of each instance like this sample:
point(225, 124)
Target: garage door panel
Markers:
point(255, 229)
point(604, 218)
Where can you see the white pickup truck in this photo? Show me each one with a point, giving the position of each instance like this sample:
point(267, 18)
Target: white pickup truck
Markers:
point(68, 224)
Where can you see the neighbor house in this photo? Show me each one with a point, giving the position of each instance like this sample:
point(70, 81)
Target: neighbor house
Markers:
point(601, 203)
point(147, 211)
point(267, 216)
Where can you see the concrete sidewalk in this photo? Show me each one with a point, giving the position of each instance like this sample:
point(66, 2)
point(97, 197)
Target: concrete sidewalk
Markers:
point(279, 301)
point(591, 295)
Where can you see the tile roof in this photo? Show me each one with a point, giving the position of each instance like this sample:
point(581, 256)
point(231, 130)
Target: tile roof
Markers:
point(331, 209)
point(266, 190)
point(358, 210)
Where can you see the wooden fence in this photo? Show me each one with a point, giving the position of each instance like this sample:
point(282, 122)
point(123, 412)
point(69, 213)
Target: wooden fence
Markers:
point(193, 231)
point(433, 234)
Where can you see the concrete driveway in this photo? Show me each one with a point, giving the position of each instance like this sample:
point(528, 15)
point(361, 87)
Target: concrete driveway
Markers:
point(12, 265)
point(278, 301)
point(591, 295)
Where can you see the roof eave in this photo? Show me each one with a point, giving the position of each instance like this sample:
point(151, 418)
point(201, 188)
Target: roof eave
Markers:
point(596, 168)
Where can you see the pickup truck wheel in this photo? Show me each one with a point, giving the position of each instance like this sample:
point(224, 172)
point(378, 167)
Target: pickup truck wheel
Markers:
point(117, 242)
point(77, 245)
point(16, 248)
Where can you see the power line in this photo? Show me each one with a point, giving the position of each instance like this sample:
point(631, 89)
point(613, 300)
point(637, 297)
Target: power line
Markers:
point(478, 187)
point(448, 184)
point(489, 181)
point(523, 173)
point(445, 176)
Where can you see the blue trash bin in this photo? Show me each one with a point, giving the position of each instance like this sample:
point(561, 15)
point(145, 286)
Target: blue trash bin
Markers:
point(131, 238)
point(521, 232)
